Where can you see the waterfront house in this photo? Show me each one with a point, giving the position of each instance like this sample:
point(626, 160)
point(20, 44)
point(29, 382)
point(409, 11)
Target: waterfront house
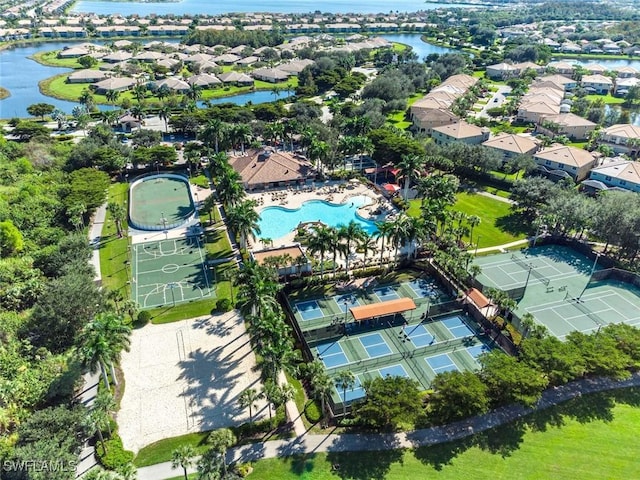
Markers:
point(568, 124)
point(236, 78)
point(625, 72)
point(86, 76)
point(204, 80)
point(272, 75)
point(623, 138)
point(622, 85)
point(117, 84)
point(597, 84)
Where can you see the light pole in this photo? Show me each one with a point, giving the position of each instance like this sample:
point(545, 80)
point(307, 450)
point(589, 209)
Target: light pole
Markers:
point(526, 283)
point(477, 244)
point(593, 269)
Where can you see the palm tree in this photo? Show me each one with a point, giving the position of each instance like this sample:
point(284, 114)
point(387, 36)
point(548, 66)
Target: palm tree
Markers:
point(318, 153)
point(248, 399)
point(86, 99)
point(139, 91)
point(118, 214)
point(214, 133)
point(229, 188)
point(104, 338)
point(384, 233)
point(183, 457)
point(164, 113)
point(344, 379)
point(243, 221)
point(320, 242)
point(207, 207)
point(368, 244)
point(350, 233)
point(112, 96)
point(277, 394)
point(258, 290)
point(97, 421)
point(241, 134)
point(220, 440)
point(194, 93)
point(473, 222)
point(322, 387)
point(410, 166)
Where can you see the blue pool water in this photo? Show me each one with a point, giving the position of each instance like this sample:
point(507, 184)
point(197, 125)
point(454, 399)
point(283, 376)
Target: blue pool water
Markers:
point(276, 222)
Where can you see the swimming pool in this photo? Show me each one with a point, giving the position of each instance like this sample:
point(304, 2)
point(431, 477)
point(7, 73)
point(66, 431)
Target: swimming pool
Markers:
point(276, 222)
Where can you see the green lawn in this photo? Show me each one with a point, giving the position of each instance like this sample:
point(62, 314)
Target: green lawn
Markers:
point(51, 58)
point(169, 313)
point(496, 220)
point(589, 438)
point(113, 250)
point(160, 451)
point(608, 99)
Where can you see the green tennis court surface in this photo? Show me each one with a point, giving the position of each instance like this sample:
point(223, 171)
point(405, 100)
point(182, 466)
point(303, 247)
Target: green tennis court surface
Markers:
point(558, 293)
point(159, 203)
point(170, 271)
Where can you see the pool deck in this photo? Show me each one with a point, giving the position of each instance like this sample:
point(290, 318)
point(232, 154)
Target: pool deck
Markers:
point(331, 192)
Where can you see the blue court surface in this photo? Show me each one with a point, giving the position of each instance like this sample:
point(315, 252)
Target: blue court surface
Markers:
point(441, 363)
point(424, 288)
point(309, 310)
point(419, 335)
point(375, 345)
point(394, 371)
point(478, 350)
point(352, 393)
point(346, 302)
point(332, 355)
point(457, 327)
point(386, 293)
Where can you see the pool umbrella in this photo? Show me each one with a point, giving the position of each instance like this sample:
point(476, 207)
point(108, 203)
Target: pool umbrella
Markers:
point(391, 187)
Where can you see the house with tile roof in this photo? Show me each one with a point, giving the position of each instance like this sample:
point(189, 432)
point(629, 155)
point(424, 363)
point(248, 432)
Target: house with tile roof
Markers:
point(623, 138)
point(561, 161)
point(568, 124)
point(599, 84)
point(266, 168)
point(460, 132)
point(510, 145)
point(618, 174)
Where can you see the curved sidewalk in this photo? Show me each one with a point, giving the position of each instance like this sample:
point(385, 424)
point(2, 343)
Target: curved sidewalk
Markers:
point(429, 436)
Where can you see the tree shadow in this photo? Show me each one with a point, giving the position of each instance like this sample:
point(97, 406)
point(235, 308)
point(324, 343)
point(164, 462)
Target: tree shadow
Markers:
point(502, 440)
point(440, 455)
point(360, 464)
point(515, 224)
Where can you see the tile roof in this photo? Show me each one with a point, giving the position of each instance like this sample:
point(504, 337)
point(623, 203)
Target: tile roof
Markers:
point(575, 157)
point(258, 167)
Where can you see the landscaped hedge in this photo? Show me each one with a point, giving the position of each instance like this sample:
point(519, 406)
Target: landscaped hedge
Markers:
point(116, 456)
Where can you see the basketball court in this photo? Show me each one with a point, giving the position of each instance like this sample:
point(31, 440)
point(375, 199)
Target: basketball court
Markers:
point(170, 271)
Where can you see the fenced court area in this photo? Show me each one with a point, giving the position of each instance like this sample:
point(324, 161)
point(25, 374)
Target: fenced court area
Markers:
point(170, 271)
point(555, 284)
point(419, 351)
point(160, 202)
point(418, 344)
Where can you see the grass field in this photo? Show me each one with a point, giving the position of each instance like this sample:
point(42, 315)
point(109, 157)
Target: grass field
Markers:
point(113, 250)
point(608, 99)
point(496, 221)
point(51, 59)
point(590, 438)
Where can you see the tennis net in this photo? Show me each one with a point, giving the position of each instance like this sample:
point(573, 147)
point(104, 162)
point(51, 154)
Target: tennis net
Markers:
point(528, 266)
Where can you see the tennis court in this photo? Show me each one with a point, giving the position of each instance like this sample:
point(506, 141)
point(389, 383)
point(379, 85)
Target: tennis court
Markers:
point(332, 355)
point(559, 292)
point(419, 336)
point(345, 302)
point(425, 288)
point(441, 363)
point(170, 271)
point(386, 293)
point(457, 327)
point(374, 345)
point(309, 310)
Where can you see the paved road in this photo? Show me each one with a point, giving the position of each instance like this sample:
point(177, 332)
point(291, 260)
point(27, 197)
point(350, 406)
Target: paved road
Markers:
point(496, 100)
point(425, 437)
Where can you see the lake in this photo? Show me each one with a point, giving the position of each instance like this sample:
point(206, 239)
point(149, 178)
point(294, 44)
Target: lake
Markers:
point(20, 75)
point(208, 7)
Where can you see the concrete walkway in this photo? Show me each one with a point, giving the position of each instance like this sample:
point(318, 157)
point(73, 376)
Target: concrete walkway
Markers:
point(495, 197)
point(429, 436)
point(500, 248)
point(95, 233)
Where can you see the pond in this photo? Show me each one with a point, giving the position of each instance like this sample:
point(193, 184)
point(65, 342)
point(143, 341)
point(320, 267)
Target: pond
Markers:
point(20, 75)
point(422, 49)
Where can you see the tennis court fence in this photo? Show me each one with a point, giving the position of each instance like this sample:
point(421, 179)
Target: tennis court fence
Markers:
point(615, 274)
